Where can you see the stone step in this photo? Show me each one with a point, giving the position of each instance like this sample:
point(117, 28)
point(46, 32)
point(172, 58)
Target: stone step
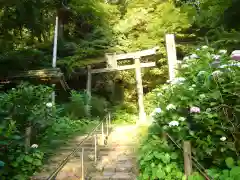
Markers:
point(117, 147)
point(112, 175)
point(40, 176)
point(72, 169)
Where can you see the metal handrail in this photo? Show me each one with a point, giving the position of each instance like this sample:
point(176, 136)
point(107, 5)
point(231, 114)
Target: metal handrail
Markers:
point(65, 161)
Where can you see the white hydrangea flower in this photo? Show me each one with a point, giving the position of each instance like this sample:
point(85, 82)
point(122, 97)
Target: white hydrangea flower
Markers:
point(204, 47)
point(223, 66)
point(171, 107)
point(216, 73)
point(164, 87)
point(158, 110)
point(178, 80)
point(223, 138)
point(222, 51)
point(202, 96)
point(185, 66)
point(34, 146)
point(173, 123)
point(182, 119)
point(194, 85)
point(49, 104)
point(208, 110)
point(194, 56)
point(216, 57)
point(201, 73)
point(191, 133)
point(198, 49)
point(235, 64)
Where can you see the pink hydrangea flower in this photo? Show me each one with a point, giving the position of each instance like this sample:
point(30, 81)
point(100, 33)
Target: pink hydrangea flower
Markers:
point(236, 55)
point(195, 109)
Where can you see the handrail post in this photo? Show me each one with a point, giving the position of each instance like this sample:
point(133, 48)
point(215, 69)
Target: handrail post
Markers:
point(187, 158)
point(82, 159)
point(109, 119)
point(102, 133)
point(95, 148)
point(107, 125)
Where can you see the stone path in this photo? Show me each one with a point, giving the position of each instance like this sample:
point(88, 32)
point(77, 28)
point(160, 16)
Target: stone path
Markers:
point(116, 161)
point(72, 170)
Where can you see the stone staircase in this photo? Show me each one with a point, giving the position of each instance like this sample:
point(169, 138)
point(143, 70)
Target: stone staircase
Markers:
point(116, 160)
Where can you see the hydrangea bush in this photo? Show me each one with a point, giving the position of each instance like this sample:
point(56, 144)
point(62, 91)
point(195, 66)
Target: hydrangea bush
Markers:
point(202, 105)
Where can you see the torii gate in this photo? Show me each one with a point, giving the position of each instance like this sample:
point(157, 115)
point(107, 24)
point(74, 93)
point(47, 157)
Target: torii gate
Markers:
point(112, 65)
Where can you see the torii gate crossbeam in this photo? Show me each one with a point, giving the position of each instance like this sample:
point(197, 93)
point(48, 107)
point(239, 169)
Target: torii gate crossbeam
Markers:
point(113, 66)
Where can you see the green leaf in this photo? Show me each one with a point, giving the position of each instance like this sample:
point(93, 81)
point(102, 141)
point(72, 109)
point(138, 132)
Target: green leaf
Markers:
point(14, 164)
point(235, 172)
point(19, 177)
point(37, 162)
point(238, 162)
point(152, 164)
point(158, 155)
point(174, 155)
point(28, 159)
point(148, 157)
point(166, 158)
point(225, 173)
point(16, 137)
point(168, 168)
point(145, 175)
point(229, 162)
point(160, 174)
point(155, 137)
point(38, 155)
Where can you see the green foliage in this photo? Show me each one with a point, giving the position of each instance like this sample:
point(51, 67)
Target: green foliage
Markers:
point(231, 173)
point(24, 165)
point(76, 109)
point(25, 106)
point(125, 113)
point(61, 131)
point(201, 105)
point(158, 160)
point(214, 90)
point(195, 176)
point(28, 105)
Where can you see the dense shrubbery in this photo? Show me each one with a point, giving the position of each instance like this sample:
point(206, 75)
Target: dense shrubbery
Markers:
point(125, 113)
point(200, 105)
point(75, 109)
point(29, 106)
point(20, 108)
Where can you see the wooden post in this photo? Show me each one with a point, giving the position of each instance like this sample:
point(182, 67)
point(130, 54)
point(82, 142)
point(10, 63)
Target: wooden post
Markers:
point(142, 115)
point(171, 55)
point(28, 132)
point(54, 60)
point(89, 86)
point(95, 148)
point(102, 133)
point(187, 153)
point(82, 164)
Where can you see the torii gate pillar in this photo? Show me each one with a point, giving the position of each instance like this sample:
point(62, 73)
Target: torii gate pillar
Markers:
point(142, 114)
